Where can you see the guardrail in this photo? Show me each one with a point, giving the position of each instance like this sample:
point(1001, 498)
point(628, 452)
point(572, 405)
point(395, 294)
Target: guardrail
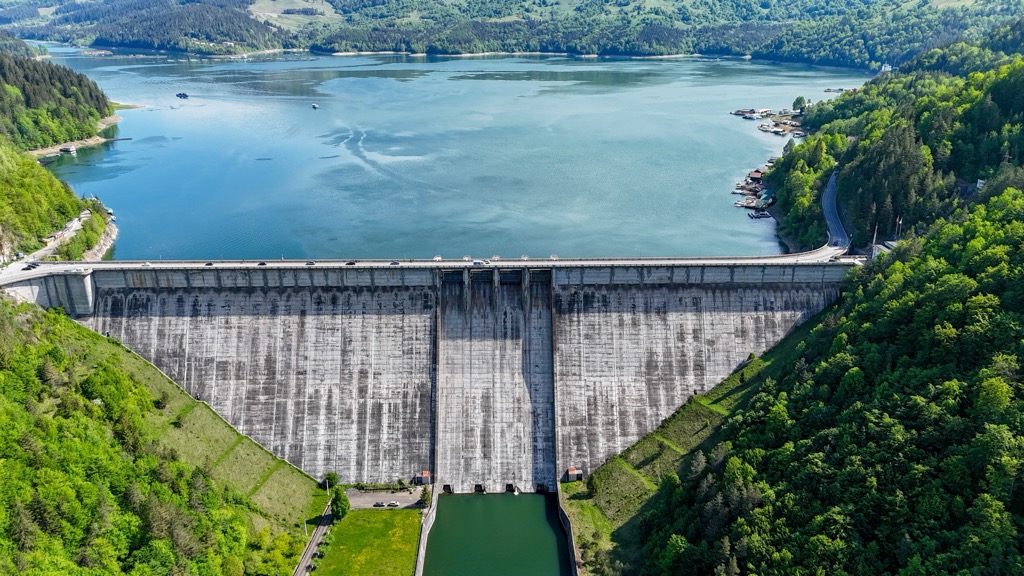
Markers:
point(821, 254)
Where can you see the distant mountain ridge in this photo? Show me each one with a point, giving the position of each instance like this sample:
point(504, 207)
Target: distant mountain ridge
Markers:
point(849, 33)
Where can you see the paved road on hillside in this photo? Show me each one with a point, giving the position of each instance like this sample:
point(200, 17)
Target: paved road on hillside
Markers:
point(837, 236)
point(305, 564)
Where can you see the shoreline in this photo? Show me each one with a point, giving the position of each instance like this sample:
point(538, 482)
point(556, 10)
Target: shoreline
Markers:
point(102, 125)
point(677, 56)
point(792, 244)
point(105, 243)
point(684, 56)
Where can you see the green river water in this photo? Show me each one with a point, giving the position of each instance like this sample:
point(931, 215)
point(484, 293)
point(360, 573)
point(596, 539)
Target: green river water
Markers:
point(497, 535)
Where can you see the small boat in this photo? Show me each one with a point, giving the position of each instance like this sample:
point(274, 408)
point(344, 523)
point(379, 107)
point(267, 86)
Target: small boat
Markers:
point(182, 95)
point(316, 106)
point(759, 214)
point(69, 149)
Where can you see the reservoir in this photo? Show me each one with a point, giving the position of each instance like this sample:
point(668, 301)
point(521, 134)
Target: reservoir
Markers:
point(412, 157)
point(498, 535)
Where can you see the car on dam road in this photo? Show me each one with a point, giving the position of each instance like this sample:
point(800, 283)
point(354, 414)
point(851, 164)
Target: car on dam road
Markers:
point(393, 504)
point(378, 504)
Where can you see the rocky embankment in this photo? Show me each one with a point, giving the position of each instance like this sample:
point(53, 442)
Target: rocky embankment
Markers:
point(106, 241)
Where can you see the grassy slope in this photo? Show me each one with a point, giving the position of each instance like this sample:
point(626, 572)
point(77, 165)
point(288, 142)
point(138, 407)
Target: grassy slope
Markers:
point(284, 494)
point(607, 509)
point(373, 543)
point(271, 11)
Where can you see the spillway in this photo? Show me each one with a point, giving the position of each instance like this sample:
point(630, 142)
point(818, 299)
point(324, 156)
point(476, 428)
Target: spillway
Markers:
point(495, 382)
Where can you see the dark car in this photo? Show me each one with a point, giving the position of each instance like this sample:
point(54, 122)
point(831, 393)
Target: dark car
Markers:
point(311, 263)
point(262, 264)
point(378, 504)
point(208, 264)
point(394, 262)
point(350, 263)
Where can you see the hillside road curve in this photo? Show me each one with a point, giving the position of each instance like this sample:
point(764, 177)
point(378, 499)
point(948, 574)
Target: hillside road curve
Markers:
point(837, 236)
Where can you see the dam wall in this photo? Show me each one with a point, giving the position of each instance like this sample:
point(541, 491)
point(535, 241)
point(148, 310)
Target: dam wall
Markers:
point(332, 372)
point(488, 377)
point(494, 381)
point(628, 354)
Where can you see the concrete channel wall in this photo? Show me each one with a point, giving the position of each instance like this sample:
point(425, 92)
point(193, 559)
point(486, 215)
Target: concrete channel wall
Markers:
point(488, 377)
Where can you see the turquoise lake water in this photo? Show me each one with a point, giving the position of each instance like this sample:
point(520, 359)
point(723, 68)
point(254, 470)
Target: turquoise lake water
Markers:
point(414, 157)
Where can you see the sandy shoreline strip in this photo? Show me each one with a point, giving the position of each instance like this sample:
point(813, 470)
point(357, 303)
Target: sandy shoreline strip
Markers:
point(103, 124)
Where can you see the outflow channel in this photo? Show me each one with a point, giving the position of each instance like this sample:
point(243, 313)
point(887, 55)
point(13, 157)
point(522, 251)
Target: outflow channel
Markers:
point(498, 535)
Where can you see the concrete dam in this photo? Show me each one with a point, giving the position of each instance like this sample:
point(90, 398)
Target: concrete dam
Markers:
point(488, 377)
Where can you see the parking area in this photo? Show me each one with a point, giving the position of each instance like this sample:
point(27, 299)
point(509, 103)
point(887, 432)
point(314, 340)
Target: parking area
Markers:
point(405, 499)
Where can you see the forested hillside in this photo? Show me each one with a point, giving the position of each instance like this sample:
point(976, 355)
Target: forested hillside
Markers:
point(33, 203)
point(14, 46)
point(887, 437)
point(859, 34)
point(893, 444)
point(44, 104)
point(205, 27)
point(909, 146)
point(41, 104)
point(852, 33)
point(92, 480)
point(106, 467)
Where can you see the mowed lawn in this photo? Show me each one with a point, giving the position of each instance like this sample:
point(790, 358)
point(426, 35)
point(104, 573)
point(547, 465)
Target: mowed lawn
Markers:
point(373, 543)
